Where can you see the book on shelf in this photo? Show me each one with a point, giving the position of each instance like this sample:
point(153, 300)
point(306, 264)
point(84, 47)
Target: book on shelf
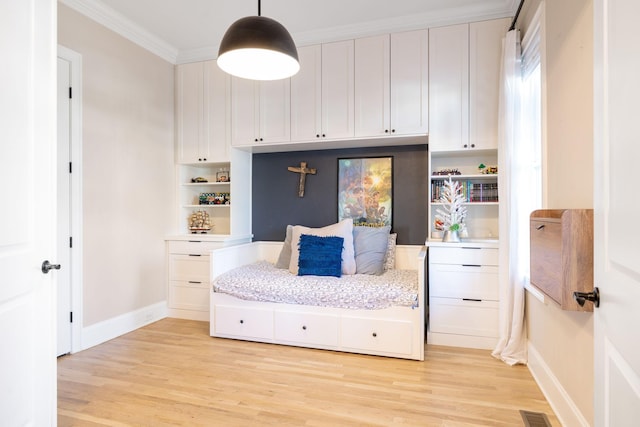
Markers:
point(473, 192)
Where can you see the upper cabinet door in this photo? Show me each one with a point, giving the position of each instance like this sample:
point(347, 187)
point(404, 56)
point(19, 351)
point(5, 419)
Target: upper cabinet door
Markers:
point(189, 105)
point(306, 96)
point(409, 83)
point(449, 88)
point(217, 113)
point(244, 112)
point(485, 52)
point(372, 92)
point(338, 90)
point(275, 111)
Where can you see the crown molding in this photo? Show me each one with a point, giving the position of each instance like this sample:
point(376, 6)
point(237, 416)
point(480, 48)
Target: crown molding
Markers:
point(116, 22)
point(99, 12)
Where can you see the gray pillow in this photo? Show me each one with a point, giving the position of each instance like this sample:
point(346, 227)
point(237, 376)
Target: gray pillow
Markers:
point(285, 254)
point(370, 246)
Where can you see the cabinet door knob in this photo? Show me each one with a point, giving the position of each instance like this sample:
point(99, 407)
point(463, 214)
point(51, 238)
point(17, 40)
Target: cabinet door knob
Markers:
point(255, 140)
point(323, 135)
point(465, 145)
point(473, 145)
point(393, 131)
point(261, 139)
point(317, 135)
point(386, 131)
point(241, 321)
point(375, 334)
point(304, 328)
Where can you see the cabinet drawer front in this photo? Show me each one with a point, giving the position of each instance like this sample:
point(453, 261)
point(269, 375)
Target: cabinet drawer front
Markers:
point(188, 296)
point(456, 316)
point(192, 247)
point(308, 328)
point(243, 322)
point(463, 255)
point(189, 268)
point(458, 281)
point(377, 335)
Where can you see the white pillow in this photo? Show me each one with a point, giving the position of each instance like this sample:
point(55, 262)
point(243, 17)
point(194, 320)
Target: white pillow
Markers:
point(342, 229)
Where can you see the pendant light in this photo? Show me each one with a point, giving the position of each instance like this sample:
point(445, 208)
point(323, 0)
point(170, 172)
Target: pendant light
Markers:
point(258, 48)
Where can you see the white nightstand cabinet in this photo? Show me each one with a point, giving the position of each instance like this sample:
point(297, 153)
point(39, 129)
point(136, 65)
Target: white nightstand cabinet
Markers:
point(188, 268)
point(463, 294)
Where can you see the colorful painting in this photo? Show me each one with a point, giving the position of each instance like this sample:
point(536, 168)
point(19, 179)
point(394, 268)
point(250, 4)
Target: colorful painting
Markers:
point(365, 190)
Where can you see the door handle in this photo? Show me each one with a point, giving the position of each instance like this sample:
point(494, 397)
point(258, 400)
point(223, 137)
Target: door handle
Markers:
point(46, 266)
point(593, 296)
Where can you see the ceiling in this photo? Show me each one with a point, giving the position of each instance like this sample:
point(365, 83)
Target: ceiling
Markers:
point(190, 30)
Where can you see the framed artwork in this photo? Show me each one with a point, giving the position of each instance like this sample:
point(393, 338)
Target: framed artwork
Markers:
point(365, 190)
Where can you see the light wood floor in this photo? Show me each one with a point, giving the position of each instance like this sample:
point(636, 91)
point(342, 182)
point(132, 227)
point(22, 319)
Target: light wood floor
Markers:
point(173, 373)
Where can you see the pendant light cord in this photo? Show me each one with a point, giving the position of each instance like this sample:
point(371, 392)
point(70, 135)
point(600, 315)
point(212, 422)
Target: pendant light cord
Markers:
point(259, 8)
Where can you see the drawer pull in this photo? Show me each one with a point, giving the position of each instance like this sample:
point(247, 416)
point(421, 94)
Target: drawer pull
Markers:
point(195, 255)
point(193, 281)
point(375, 334)
point(540, 227)
point(471, 265)
point(304, 328)
point(471, 299)
point(241, 321)
point(470, 247)
point(194, 241)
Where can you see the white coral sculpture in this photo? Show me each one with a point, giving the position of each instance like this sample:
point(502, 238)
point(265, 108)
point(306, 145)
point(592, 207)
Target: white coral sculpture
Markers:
point(453, 212)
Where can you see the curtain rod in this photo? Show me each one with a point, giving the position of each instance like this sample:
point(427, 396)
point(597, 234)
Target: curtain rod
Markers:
point(515, 18)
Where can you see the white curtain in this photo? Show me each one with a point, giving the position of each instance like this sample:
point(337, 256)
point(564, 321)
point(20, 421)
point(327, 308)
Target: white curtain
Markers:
point(514, 208)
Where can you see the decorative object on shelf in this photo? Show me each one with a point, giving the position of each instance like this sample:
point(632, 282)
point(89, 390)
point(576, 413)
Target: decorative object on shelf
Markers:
point(487, 170)
point(445, 172)
point(453, 212)
point(223, 175)
point(258, 48)
point(365, 190)
point(199, 222)
point(303, 171)
point(198, 179)
point(214, 198)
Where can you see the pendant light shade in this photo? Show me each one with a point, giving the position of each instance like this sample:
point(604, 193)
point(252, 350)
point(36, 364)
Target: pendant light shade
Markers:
point(258, 48)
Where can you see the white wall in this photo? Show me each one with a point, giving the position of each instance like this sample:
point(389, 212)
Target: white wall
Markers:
point(127, 168)
point(564, 339)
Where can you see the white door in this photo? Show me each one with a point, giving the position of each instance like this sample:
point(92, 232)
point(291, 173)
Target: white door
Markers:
point(617, 209)
point(64, 208)
point(27, 214)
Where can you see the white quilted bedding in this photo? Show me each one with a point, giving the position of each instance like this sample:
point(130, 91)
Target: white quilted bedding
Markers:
point(262, 281)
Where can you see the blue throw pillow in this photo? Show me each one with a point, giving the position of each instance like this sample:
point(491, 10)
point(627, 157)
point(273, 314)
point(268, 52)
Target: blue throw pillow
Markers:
point(320, 256)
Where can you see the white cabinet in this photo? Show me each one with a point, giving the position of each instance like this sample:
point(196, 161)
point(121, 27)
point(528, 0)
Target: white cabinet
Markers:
point(260, 112)
point(202, 113)
point(391, 84)
point(464, 71)
point(188, 288)
point(322, 94)
point(463, 295)
point(337, 90)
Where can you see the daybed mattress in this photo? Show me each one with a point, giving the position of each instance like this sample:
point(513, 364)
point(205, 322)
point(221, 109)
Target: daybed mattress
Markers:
point(262, 281)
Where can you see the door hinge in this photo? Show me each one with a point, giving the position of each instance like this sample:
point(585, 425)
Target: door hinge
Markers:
point(71, 317)
point(70, 93)
point(71, 241)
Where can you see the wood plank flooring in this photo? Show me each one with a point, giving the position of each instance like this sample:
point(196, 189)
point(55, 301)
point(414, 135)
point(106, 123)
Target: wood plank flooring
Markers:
point(173, 373)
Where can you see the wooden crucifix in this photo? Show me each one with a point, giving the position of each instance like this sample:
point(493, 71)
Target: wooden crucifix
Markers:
point(303, 171)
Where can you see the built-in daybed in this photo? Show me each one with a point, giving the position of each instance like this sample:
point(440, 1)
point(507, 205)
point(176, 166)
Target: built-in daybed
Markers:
point(381, 314)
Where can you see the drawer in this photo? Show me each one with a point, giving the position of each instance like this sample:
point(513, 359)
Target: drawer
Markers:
point(458, 281)
point(192, 247)
point(456, 316)
point(463, 255)
point(191, 268)
point(188, 296)
point(307, 328)
point(243, 322)
point(391, 336)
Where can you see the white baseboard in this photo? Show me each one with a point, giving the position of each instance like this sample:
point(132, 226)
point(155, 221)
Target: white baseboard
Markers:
point(565, 409)
point(120, 325)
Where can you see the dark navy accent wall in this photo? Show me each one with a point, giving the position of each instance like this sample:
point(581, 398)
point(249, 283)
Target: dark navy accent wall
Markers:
point(275, 191)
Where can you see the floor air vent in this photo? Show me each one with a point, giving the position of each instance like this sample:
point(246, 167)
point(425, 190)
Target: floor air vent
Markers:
point(534, 419)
